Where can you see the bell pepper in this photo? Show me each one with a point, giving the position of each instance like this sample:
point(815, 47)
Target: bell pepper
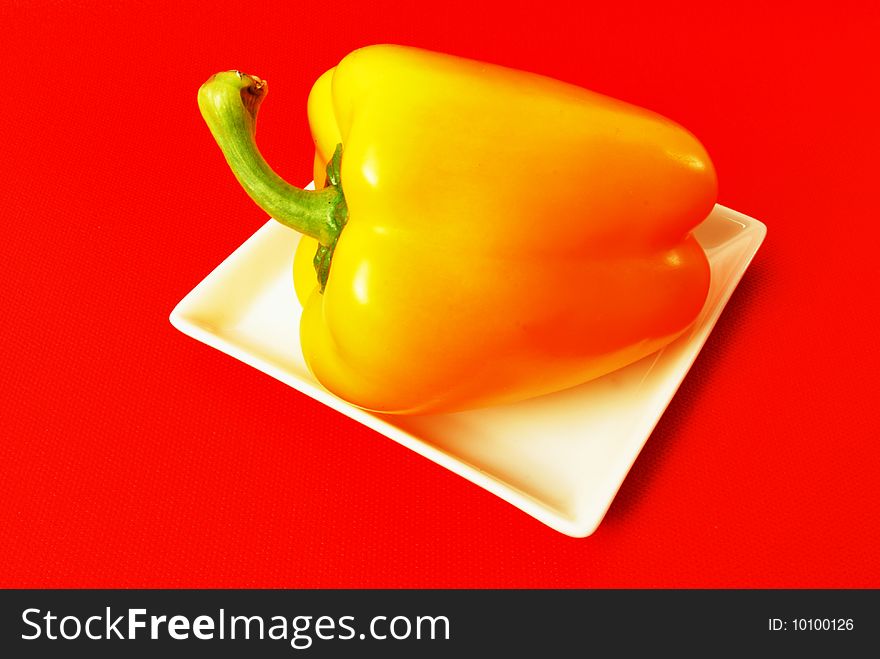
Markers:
point(478, 235)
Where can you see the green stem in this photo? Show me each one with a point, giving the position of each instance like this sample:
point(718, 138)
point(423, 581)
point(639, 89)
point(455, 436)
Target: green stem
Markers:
point(229, 102)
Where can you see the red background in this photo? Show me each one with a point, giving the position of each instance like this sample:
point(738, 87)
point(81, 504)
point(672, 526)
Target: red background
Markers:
point(135, 456)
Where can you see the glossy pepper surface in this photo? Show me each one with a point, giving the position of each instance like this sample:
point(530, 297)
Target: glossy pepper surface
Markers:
point(483, 234)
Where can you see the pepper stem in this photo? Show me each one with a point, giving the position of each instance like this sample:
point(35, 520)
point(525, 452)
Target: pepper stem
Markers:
point(229, 102)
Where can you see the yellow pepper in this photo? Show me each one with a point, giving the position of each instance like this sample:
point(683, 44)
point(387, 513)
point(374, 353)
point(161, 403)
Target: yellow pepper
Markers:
point(483, 235)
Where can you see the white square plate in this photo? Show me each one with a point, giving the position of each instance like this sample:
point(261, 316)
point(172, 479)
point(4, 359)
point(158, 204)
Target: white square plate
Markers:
point(560, 458)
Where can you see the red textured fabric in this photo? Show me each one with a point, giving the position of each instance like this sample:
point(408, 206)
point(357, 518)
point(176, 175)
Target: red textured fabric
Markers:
point(135, 456)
